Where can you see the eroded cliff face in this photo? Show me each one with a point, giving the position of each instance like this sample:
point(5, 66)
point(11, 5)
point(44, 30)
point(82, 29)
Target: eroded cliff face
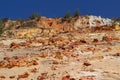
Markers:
point(51, 26)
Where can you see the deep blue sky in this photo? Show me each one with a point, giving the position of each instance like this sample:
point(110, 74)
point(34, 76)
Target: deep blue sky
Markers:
point(52, 8)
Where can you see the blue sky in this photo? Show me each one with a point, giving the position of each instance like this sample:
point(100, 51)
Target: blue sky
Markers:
point(57, 8)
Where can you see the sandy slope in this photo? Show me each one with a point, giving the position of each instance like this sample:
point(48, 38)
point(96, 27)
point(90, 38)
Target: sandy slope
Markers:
point(78, 58)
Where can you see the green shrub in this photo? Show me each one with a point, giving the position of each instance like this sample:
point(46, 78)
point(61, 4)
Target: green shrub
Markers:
point(77, 13)
point(1, 26)
point(34, 16)
point(67, 17)
point(5, 19)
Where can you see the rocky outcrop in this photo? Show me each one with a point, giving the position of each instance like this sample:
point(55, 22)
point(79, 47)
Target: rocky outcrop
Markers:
point(52, 26)
point(92, 21)
point(99, 21)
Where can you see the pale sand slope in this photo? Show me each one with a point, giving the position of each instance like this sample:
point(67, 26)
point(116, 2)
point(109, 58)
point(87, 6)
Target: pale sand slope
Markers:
point(81, 61)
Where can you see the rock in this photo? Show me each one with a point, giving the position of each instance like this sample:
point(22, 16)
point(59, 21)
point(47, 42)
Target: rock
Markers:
point(117, 54)
point(66, 77)
point(87, 78)
point(2, 77)
point(25, 75)
point(95, 40)
point(43, 76)
point(87, 63)
point(11, 77)
point(83, 41)
point(14, 45)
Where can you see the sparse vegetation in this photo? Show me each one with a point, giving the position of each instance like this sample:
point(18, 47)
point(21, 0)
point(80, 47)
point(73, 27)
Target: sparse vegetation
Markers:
point(34, 16)
point(67, 17)
point(1, 26)
point(20, 20)
point(5, 19)
point(30, 24)
point(77, 13)
point(116, 19)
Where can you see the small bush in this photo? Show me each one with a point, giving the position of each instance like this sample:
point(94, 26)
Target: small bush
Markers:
point(77, 13)
point(34, 16)
point(67, 17)
point(1, 26)
point(20, 20)
point(5, 19)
